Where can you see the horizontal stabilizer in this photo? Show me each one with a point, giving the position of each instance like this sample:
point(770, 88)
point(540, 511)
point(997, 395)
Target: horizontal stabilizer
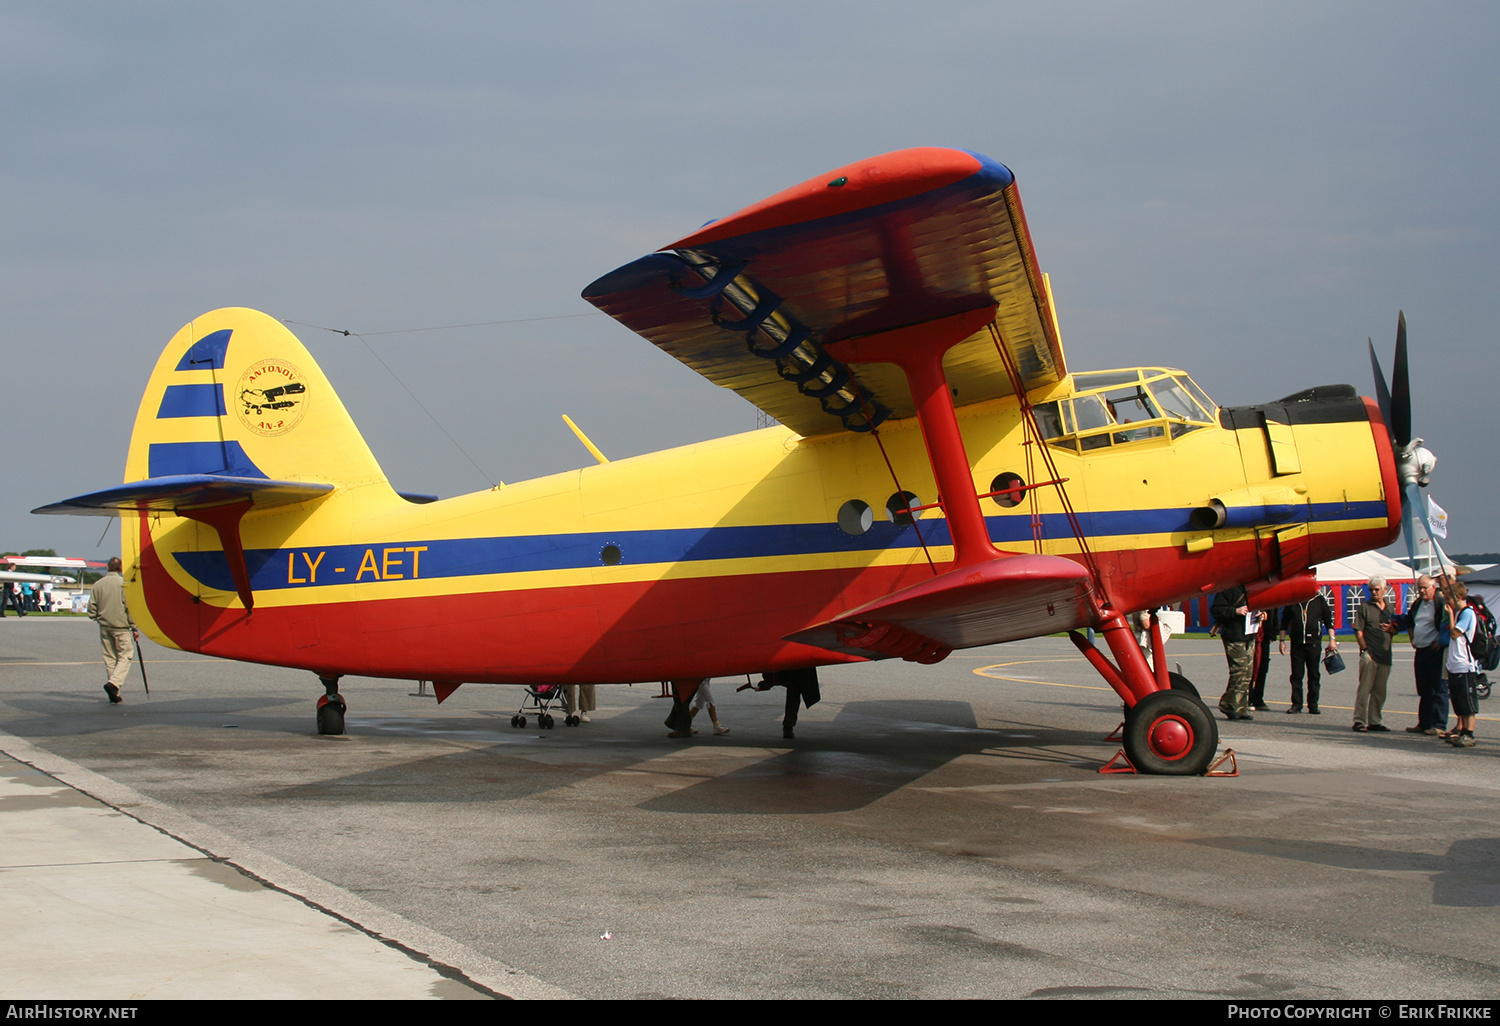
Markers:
point(999, 600)
point(180, 492)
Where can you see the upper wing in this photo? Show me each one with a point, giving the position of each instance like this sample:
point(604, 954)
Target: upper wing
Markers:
point(892, 241)
point(984, 604)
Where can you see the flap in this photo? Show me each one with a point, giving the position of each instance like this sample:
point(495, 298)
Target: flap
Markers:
point(1004, 599)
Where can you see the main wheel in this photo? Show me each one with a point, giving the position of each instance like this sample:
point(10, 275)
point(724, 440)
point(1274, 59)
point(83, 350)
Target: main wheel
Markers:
point(518, 721)
point(1482, 687)
point(1170, 732)
point(331, 718)
point(544, 721)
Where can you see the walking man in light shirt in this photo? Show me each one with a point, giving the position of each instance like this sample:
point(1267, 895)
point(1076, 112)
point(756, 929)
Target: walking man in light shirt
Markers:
point(116, 628)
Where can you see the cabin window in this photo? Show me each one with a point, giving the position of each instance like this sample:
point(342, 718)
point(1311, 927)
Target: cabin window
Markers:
point(1009, 487)
point(897, 505)
point(856, 517)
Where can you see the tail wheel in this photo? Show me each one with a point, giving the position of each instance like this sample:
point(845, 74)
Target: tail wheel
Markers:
point(1170, 732)
point(331, 716)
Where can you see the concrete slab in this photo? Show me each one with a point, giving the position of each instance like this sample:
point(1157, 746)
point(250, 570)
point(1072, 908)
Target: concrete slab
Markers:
point(99, 905)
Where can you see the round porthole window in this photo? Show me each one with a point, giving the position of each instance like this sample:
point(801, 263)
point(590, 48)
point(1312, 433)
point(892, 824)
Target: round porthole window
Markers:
point(610, 555)
point(1011, 488)
point(855, 517)
point(897, 505)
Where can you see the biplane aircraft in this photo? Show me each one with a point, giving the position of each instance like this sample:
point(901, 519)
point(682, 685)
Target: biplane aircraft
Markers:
point(938, 479)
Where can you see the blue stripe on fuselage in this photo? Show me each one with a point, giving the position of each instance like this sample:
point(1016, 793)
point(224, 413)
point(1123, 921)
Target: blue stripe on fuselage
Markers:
point(274, 569)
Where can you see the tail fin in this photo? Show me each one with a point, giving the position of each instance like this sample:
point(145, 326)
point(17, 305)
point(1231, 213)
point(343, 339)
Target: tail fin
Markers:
point(237, 418)
point(237, 394)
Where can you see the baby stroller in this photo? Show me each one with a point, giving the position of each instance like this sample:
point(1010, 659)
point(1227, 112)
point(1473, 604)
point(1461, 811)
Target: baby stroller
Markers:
point(539, 699)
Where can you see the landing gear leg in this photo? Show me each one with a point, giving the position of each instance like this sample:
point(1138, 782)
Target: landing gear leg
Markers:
point(331, 707)
point(1167, 728)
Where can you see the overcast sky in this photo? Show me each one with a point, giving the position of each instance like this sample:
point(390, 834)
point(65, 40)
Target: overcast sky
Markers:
point(1243, 191)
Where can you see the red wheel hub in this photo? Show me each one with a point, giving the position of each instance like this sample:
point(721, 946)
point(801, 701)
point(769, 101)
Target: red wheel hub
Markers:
point(1170, 737)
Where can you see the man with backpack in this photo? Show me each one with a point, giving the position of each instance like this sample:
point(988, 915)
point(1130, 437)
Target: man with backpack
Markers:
point(1463, 667)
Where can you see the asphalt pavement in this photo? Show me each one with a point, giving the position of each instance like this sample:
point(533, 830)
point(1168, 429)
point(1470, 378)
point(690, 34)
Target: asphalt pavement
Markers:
point(931, 832)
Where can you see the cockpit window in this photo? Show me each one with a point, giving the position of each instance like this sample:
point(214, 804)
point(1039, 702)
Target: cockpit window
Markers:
point(1175, 401)
point(1112, 408)
point(1105, 379)
point(1209, 406)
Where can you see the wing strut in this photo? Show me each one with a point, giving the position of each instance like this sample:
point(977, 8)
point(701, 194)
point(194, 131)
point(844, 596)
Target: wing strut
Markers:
point(1028, 417)
point(918, 350)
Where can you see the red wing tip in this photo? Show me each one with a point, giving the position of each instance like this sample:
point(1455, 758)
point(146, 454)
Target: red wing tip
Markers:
point(865, 183)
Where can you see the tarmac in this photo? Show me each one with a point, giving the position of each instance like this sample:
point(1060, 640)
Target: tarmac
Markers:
point(931, 832)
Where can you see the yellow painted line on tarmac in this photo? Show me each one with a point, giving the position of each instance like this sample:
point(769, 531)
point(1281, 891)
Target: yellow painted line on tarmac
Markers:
point(983, 671)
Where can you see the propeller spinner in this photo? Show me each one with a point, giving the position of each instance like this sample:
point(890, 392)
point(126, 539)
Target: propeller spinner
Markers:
point(1414, 462)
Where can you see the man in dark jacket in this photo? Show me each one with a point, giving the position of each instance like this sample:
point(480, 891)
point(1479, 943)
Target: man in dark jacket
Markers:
point(1424, 621)
point(1229, 610)
point(1306, 624)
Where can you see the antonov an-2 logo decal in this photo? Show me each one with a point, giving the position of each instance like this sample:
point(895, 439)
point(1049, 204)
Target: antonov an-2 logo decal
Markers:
point(272, 397)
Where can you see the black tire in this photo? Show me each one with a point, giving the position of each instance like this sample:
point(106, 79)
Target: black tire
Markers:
point(544, 721)
point(1172, 733)
point(1181, 683)
point(571, 721)
point(1482, 687)
point(1178, 683)
point(519, 721)
point(330, 718)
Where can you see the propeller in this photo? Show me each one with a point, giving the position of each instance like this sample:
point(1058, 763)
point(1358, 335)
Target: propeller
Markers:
point(1414, 462)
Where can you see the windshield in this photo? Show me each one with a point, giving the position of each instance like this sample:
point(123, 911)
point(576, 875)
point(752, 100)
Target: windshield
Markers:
point(1113, 408)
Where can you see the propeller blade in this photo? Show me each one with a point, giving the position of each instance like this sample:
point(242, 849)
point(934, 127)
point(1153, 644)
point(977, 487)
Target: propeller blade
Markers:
point(1382, 394)
point(1414, 521)
point(1400, 387)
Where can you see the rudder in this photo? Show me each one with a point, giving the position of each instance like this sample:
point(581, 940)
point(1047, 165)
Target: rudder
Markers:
point(238, 394)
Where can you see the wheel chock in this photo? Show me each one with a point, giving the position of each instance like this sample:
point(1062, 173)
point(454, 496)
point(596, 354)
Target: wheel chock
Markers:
point(1228, 756)
point(1120, 763)
point(1118, 734)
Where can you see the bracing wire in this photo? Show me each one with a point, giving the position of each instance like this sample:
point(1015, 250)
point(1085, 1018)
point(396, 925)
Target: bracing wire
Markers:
point(420, 405)
point(436, 327)
point(442, 327)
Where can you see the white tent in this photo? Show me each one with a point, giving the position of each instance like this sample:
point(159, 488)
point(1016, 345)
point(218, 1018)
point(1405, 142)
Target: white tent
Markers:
point(1343, 583)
